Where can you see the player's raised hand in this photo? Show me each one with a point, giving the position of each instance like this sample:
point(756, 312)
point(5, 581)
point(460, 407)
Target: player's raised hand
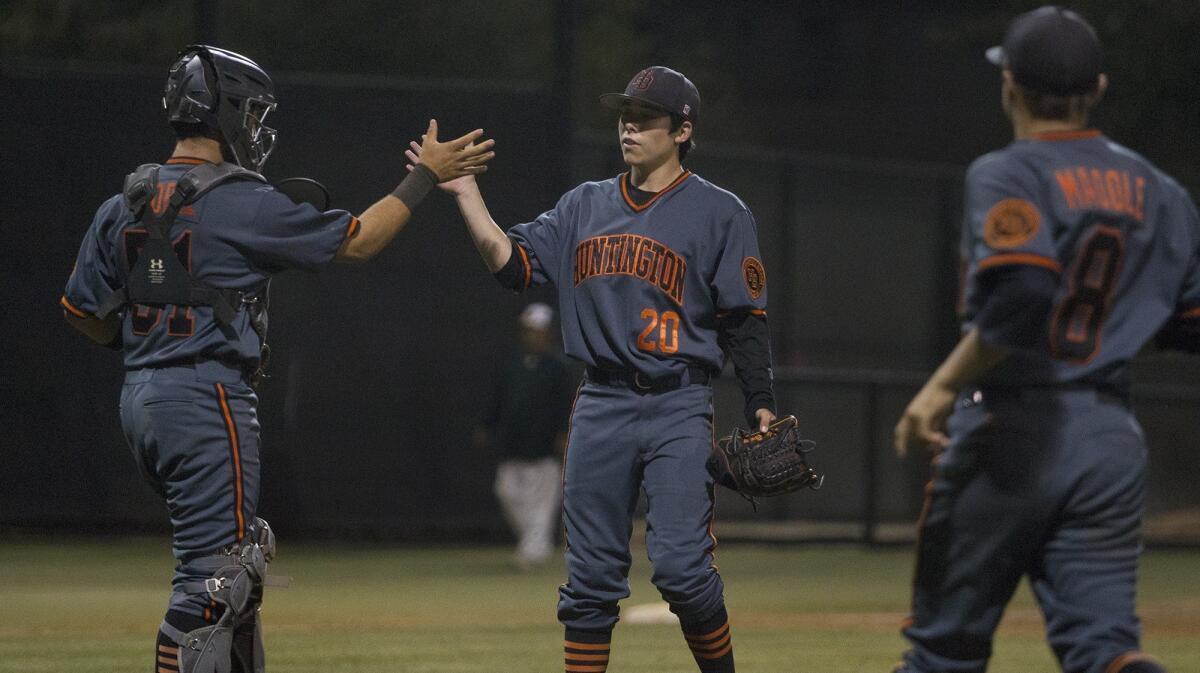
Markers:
point(453, 159)
point(924, 419)
point(453, 186)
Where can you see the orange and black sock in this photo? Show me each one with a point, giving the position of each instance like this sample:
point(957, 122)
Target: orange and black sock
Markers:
point(1135, 662)
point(711, 643)
point(586, 651)
point(166, 655)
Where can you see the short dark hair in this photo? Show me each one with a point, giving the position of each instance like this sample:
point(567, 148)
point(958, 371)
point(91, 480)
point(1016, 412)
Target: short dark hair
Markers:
point(676, 122)
point(1058, 108)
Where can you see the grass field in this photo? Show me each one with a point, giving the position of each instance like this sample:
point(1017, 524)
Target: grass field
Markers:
point(93, 606)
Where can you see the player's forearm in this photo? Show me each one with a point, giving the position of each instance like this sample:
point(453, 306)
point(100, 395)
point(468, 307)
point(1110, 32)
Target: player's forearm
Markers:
point(378, 225)
point(493, 245)
point(968, 362)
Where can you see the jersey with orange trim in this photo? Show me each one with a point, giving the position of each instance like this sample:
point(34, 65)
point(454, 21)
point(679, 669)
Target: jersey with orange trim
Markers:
point(236, 236)
point(1122, 235)
point(641, 284)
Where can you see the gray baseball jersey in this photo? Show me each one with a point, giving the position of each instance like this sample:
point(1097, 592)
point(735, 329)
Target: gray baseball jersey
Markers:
point(641, 286)
point(235, 237)
point(1123, 235)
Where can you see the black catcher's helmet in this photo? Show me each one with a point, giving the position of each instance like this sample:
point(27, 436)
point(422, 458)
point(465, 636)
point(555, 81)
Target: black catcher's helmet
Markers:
point(228, 93)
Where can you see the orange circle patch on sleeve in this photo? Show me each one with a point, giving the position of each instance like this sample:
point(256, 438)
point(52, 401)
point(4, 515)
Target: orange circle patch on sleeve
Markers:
point(755, 276)
point(1011, 223)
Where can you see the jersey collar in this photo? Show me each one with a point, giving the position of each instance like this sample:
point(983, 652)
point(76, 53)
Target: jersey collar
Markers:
point(623, 179)
point(1081, 134)
point(192, 161)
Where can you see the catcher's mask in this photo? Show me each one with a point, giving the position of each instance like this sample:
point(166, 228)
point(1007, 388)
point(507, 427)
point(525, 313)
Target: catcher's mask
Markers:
point(226, 92)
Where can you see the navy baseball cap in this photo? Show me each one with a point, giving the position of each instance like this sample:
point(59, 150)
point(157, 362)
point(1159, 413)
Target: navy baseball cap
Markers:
point(659, 87)
point(1052, 50)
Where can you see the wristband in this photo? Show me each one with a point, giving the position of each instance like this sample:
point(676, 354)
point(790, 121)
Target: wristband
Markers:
point(415, 186)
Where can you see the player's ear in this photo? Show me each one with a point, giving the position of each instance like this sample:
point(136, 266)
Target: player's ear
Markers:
point(1007, 91)
point(684, 133)
point(1101, 87)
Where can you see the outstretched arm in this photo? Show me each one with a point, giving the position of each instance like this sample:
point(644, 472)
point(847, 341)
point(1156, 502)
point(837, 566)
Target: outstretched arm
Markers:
point(493, 245)
point(440, 162)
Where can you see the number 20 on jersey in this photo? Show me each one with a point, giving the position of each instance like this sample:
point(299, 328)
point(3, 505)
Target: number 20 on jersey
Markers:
point(666, 324)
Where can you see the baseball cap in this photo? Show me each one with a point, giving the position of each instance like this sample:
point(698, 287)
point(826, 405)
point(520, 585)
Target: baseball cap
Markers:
point(536, 316)
point(659, 87)
point(1052, 50)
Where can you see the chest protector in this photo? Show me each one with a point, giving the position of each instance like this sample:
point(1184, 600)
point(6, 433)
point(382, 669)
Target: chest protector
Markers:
point(156, 276)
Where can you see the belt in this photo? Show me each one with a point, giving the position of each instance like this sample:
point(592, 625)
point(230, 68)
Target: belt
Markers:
point(694, 375)
point(202, 369)
point(1110, 392)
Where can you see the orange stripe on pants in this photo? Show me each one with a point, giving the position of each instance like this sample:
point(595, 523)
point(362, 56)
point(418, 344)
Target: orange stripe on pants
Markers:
point(235, 451)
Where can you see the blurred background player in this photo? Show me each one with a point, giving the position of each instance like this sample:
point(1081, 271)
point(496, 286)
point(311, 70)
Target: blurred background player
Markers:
point(173, 273)
point(657, 272)
point(526, 425)
point(1078, 252)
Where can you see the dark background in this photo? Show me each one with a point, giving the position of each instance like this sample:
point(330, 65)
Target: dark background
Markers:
point(844, 125)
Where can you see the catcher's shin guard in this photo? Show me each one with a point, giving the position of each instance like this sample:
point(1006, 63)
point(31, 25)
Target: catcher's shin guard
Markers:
point(248, 654)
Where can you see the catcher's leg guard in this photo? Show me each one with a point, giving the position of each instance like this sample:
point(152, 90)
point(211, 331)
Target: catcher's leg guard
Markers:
point(248, 654)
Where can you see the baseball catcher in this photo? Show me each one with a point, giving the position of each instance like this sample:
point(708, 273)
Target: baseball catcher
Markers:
point(769, 462)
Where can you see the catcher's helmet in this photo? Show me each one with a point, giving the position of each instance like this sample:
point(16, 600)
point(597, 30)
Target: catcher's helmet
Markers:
point(228, 93)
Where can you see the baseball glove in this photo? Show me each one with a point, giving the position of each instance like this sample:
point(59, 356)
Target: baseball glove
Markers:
point(759, 464)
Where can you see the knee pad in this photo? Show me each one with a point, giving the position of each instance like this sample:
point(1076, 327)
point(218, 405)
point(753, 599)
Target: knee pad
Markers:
point(264, 537)
point(241, 571)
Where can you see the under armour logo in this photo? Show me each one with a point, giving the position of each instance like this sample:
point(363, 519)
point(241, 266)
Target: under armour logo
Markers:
point(156, 265)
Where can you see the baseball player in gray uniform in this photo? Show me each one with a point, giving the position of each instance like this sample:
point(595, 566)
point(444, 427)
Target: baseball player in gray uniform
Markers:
point(173, 273)
point(657, 271)
point(1077, 252)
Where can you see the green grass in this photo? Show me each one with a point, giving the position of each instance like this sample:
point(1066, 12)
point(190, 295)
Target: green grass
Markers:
point(91, 607)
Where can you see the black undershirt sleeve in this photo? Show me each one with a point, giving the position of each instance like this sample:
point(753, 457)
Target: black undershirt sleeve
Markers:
point(1016, 309)
point(748, 341)
point(1181, 334)
point(512, 274)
